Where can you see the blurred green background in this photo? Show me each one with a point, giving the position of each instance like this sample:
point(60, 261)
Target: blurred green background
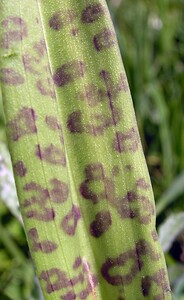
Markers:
point(151, 40)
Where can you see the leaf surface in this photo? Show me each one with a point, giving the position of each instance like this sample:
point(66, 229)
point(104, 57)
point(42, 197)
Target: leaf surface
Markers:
point(80, 172)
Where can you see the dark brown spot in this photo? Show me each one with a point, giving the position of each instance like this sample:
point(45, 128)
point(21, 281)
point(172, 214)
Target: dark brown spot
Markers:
point(128, 168)
point(92, 282)
point(28, 61)
point(61, 19)
point(23, 124)
point(74, 122)
point(46, 87)
point(54, 125)
point(141, 183)
point(70, 221)
point(123, 83)
point(16, 30)
point(85, 277)
point(101, 223)
point(94, 171)
point(97, 187)
point(32, 61)
point(55, 280)
point(11, 77)
point(77, 279)
point(101, 123)
point(104, 40)
point(40, 48)
point(133, 205)
point(77, 263)
point(41, 193)
point(115, 171)
point(159, 279)
point(69, 72)
point(52, 122)
point(43, 246)
point(147, 210)
point(92, 13)
point(69, 296)
point(92, 94)
point(146, 284)
point(113, 263)
point(131, 196)
point(154, 235)
point(20, 169)
point(59, 192)
point(135, 255)
point(51, 154)
point(113, 89)
point(39, 199)
point(46, 215)
point(127, 142)
point(84, 294)
point(74, 31)
point(96, 180)
point(145, 248)
point(126, 212)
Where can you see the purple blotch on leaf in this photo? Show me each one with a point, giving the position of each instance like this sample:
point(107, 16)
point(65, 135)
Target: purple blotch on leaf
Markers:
point(69, 296)
point(43, 246)
point(92, 13)
point(55, 280)
point(15, 30)
point(61, 19)
point(39, 198)
point(95, 173)
point(160, 281)
point(69, 72)
point(52, 123)
point(77, 263)
point(70, 221)
point(59, 192)
point(105, 39)
point(11, 77)
point(101, 223)
point(46, 87)
point(127, 141)
point(20, 169)
point(51, 154)
point(142, 248)
point(74, 122)
point(23, 124)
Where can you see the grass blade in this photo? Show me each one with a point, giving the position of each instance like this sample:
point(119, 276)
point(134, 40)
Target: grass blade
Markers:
point(174, 191)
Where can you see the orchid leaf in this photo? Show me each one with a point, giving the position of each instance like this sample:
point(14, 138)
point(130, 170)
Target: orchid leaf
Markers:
point(81, 177)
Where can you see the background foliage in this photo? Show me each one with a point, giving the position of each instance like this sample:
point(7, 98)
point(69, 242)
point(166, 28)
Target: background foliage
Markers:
point(151, 40)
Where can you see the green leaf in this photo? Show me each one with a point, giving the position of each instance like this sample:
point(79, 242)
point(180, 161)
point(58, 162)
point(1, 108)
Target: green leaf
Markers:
point(174, 191)
point(179, 287)
point(5, 297)
point(7, 183)
point(170, 229)
point(80, 172)
point(175, 271)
